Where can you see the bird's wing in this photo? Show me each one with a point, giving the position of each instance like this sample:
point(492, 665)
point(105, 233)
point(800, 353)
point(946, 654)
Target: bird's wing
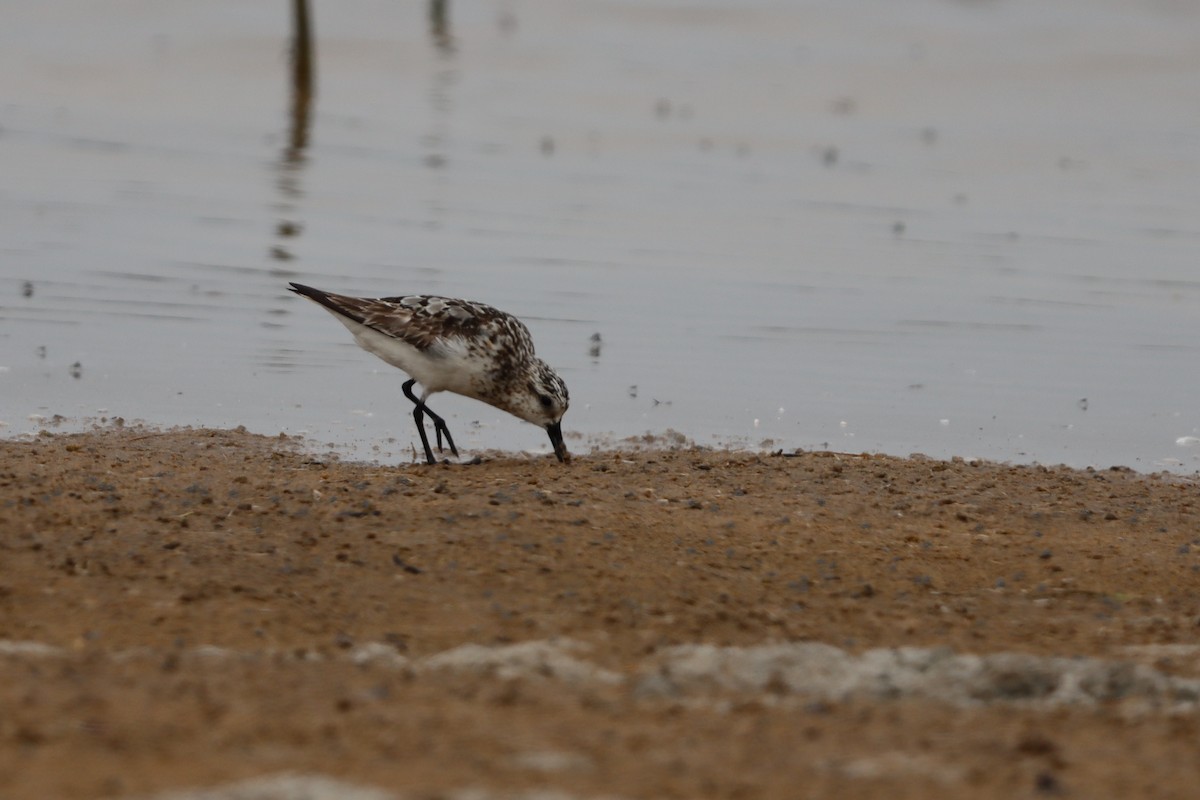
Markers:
point(428, 322)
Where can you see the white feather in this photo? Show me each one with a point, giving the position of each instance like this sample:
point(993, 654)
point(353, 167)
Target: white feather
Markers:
point(442, 368)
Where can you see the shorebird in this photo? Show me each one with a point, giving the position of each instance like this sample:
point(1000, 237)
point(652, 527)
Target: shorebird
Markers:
point(460, 346)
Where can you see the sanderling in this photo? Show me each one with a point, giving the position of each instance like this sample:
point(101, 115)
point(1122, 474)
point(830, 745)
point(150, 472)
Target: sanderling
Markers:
point(455, 346)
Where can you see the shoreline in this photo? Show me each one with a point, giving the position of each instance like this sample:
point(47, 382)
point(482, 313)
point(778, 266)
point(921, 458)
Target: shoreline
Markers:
point(597, 445)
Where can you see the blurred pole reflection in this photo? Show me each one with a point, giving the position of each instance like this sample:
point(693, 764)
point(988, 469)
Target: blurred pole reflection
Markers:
point(302, 80)
point(439, 25)
point(444, 75)
point(292, 158)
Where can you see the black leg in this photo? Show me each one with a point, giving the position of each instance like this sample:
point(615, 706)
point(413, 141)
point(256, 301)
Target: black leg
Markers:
point(418, 416)
point(420, 410)
point(439, 428)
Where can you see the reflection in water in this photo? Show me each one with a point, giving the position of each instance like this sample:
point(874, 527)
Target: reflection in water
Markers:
point(302, 82)
point(439, 25)
point(445, 76)
point(292, 159)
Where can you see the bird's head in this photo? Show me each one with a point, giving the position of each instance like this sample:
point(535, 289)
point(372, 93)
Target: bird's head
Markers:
point(543, 400)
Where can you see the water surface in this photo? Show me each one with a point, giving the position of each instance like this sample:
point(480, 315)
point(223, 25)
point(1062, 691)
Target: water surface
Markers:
point(924, 226)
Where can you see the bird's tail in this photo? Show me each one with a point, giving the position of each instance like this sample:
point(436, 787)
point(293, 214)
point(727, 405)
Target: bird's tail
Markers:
point(343, 306)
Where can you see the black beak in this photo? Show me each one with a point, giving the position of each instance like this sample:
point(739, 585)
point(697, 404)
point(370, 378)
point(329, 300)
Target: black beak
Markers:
point(560, 449)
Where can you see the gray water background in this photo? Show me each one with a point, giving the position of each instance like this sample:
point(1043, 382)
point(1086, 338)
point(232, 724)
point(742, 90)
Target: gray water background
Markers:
point(956, 228)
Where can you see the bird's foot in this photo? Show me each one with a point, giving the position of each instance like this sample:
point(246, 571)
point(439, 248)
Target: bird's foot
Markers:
point(440, 429)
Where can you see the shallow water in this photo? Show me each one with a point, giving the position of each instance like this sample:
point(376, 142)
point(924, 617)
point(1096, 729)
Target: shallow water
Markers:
point(925, 226)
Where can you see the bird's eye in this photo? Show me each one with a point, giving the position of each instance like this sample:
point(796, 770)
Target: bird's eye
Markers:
point(545, 400)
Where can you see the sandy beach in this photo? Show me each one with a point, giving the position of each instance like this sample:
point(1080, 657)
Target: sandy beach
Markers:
point(195, 609)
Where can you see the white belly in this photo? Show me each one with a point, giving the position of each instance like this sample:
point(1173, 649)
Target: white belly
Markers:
point(443, 368)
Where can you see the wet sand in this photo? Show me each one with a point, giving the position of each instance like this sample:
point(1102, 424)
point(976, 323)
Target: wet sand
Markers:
point(195, 608)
